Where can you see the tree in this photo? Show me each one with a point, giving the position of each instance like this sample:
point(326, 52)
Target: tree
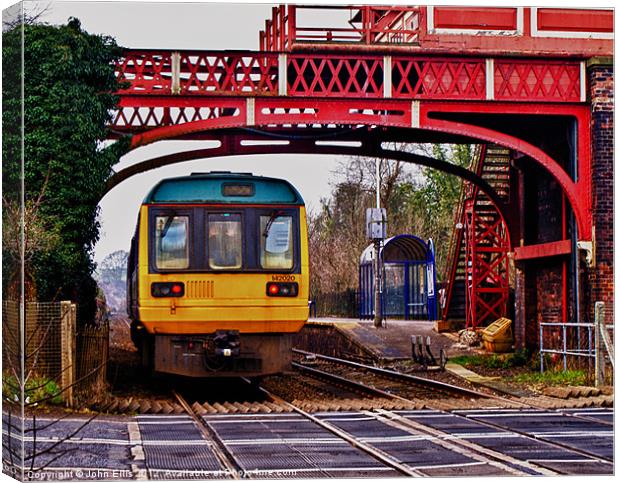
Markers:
point(419, 201)
point(113, 268)
point(112, 277)
point(69, 93)
point(436, 200)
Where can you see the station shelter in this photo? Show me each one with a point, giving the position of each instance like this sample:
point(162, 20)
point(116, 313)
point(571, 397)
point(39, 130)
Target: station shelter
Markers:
point(409, 279)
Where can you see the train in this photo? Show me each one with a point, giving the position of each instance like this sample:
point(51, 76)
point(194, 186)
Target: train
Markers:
point(217, 275)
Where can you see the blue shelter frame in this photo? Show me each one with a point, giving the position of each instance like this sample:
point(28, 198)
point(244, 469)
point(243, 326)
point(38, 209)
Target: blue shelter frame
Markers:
point(409, 279)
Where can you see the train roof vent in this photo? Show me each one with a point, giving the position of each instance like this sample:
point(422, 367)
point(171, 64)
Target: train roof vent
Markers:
point(220, 172)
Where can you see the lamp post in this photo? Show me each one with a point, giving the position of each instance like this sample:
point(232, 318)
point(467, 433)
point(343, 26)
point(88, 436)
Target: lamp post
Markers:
point(376, 225)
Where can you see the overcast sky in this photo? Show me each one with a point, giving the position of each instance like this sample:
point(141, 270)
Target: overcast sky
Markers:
point(182, 26)
point(178, 25)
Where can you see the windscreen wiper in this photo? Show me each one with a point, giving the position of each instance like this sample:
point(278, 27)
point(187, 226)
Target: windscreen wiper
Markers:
point(272, 217)
point(167, 225)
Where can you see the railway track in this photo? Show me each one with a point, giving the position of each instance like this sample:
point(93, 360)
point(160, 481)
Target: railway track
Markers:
point(442, 388)
point(405, 388)
point(333, 384)
point(481, 454)
point(225, 458)
point(236, 470)
point(420, 388)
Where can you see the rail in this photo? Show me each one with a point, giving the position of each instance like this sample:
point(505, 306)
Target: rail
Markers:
point(352, 440)
point(224, 457)
point(463, 416)
point(438, 385)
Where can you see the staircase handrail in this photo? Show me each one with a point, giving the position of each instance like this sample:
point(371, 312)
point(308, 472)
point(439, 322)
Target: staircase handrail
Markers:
point(457, 233)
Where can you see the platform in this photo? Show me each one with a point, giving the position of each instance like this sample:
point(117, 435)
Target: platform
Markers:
point(339, 336)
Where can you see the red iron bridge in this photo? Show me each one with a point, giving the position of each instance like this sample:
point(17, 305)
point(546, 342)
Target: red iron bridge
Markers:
point(531, 87)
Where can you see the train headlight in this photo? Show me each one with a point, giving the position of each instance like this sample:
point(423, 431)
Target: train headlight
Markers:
point(282, 289)
point(167, 289)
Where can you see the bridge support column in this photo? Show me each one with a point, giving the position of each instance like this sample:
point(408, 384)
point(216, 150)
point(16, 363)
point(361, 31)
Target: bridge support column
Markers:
point(520, 318)
point(601, 277)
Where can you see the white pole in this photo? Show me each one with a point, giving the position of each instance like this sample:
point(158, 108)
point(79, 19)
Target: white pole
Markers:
point(378, 314)
point(378, 181)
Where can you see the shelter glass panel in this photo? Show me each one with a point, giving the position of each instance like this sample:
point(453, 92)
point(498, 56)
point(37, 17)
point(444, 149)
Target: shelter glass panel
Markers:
point(417, 291)
point(394, 290)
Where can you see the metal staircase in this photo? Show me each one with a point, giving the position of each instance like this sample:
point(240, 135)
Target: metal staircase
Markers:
point(477, 272)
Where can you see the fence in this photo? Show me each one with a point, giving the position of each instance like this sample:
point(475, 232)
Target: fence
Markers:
point(336, 304)
point(580, 345)
point(92, 357)
point(52, 351)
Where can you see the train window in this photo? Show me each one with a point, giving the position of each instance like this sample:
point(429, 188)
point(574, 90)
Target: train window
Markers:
point(238, 189)
point(276, 244)
point(171, 244)
point(225, 245)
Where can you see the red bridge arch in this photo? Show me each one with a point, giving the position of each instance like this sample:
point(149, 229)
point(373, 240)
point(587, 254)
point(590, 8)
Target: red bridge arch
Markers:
point(412, 73)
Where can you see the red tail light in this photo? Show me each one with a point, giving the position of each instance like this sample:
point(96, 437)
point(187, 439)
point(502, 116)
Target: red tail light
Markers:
point(167, 289)
point(280, 289)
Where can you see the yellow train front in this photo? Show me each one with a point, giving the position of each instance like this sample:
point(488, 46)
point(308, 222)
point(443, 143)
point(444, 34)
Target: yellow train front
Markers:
point(218, 275)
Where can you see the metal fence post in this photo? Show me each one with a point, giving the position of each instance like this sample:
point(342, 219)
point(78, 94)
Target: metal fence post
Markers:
point(564, 345)
point(67, 350)
point(599, 362)
point(542, 354)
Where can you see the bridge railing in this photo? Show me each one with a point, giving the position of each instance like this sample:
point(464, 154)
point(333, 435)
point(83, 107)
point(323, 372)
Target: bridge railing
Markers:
point(245, 73)
point(365, 24)
point(199, 72)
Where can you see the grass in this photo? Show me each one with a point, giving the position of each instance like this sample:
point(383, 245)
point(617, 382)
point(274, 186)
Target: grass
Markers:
point(493, 361)
point(521, 359)
point(553, 378)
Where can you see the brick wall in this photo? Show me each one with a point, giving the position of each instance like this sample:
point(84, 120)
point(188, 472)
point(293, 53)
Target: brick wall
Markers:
point(539, 281)
point(601, 79)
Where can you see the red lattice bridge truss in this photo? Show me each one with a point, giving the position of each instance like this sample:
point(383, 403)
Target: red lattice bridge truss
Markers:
point(300, 96)
point(183, 95)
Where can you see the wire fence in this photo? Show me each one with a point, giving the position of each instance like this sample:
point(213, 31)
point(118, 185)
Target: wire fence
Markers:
point(69, 363)
point(41, 329)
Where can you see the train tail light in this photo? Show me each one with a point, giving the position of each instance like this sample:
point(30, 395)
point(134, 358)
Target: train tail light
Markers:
point(282, 289)
point(167, 289)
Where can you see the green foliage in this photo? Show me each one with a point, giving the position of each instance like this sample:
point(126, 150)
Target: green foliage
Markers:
point(494, 361)
point(553, 378)
point(37, 390)
point(419, 201)
point(69, 91)
point(436, 201)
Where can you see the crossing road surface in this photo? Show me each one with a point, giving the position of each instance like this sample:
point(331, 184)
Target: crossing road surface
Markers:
point(288, 445)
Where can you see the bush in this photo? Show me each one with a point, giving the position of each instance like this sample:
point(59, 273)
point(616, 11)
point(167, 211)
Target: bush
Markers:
point(38, 390)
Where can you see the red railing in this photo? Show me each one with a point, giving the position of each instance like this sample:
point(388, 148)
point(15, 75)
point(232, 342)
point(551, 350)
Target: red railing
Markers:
point(278, 30)
point(366, 24)
point(193, 72)
point(199, 72)
point(454, 250)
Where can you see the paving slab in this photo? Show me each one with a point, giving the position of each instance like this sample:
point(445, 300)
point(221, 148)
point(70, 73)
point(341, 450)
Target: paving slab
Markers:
point(393, 340)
